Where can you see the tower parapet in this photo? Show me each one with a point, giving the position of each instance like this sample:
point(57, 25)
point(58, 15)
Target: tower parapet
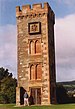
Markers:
point(27, 11)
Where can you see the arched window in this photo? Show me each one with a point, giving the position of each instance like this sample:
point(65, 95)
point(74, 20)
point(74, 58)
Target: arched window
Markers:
point(32, 72)
point(31, 47)
point(37, 46)
point(38, 71)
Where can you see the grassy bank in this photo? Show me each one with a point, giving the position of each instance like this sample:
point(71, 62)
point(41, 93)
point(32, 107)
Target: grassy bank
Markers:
point(62, 106)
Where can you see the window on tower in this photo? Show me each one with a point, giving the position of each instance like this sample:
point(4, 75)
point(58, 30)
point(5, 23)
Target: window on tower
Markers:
point(36, 72)
point(37, 46)
point(34, 46)
point(32, 72)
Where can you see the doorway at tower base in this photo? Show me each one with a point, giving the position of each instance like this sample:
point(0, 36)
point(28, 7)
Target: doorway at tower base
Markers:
point(36, 94)
point(20, 96)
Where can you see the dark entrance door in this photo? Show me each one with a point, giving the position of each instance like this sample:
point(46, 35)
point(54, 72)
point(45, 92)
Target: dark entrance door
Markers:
point(36, 93)
point(21, 95)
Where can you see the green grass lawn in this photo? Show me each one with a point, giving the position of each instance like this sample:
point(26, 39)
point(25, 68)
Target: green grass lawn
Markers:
point(62, 106)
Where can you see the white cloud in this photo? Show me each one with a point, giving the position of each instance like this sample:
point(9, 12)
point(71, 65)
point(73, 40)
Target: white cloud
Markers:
point(8, 47)
point(65, 47)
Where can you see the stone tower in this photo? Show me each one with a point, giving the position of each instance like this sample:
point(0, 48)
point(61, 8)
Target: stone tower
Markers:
point(36, 54)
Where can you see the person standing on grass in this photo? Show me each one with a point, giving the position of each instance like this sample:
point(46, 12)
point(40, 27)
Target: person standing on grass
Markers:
point(26, 102)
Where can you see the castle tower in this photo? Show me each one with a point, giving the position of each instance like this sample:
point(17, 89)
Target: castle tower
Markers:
point(36, 54)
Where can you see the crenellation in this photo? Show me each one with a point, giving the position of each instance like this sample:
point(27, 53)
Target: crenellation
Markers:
point(37, 6)
point(28, 11)
point(18, 9)
point(27, 7)
point(46, 5)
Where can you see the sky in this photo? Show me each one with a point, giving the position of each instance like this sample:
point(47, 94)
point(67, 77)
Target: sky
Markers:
point(64, 36)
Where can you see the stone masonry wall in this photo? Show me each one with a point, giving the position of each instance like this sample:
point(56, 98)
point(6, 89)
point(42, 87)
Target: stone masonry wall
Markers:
point(45, 16)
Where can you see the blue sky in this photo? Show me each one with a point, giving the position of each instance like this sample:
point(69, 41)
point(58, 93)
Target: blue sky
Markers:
point(7, 8)
point(64, 36)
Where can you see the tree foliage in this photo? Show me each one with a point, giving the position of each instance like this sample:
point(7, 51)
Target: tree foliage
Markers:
point(61, 94)
point(7, 87)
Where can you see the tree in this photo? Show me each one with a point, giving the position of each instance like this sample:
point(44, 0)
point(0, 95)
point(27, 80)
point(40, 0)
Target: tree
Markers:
point(3, 73)
point(7, 87)
point(61, 94)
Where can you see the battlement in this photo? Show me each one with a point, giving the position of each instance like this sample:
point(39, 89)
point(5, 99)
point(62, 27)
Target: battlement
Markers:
point(27, 8)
